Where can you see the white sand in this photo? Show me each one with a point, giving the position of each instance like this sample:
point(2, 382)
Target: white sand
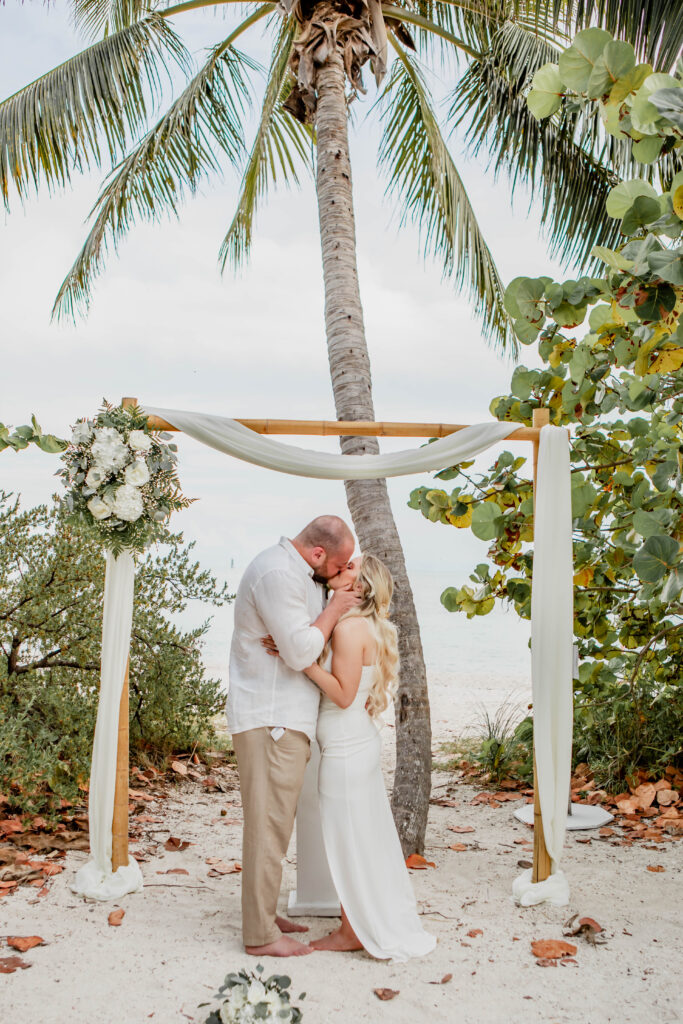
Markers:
point(181, 935)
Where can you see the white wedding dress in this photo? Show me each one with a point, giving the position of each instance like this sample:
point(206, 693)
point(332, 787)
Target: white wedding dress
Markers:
point(361, 842)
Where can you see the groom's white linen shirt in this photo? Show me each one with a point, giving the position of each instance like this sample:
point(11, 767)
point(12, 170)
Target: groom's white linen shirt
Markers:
point(276, 595)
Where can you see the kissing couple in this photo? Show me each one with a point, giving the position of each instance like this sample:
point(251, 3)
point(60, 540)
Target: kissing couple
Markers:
point(303, 667)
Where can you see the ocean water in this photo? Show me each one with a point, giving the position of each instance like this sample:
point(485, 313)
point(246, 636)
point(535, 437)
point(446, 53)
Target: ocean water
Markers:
point(472, 664)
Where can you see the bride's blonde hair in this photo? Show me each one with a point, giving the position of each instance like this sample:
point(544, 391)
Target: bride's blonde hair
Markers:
point(376, 590)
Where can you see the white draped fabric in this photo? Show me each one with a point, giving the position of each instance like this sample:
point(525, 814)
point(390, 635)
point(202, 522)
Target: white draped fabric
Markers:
point(233, 438)
point(96, 879)
point(552, 599)
point(551, 620)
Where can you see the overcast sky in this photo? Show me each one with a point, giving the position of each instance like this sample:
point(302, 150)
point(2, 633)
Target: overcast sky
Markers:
point(167, 328)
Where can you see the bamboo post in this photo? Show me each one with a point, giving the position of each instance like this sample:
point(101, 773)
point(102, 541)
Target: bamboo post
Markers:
point(541, 862)
point(119, 826)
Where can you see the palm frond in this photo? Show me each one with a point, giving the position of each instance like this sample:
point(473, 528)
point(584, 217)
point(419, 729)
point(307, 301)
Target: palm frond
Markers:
point(175, 154)
point(570, 157)
point(102, 17)
point(427, 28)
point(91, 104)
point(280, 140)
point(423, 174)
point(653, 27)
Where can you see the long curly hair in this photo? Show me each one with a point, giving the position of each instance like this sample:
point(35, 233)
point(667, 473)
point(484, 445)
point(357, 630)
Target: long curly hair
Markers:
point(376, 590)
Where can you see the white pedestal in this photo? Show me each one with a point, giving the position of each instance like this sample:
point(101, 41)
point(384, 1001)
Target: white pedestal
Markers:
point(582, 816)
point(315, 895)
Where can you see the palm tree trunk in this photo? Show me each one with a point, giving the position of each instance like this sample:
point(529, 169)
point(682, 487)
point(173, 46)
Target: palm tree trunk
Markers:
point(368, 499)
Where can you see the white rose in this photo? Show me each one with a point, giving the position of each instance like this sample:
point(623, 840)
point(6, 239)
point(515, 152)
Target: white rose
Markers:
point(228, 1014)
point(274, 999)
point(238, 996)
point(109, 450)
point(96, 476)
point(257, 992)
point(139, 441)
point(128, 503)
point(81, 433)
point(98, 508)
point(137, 473)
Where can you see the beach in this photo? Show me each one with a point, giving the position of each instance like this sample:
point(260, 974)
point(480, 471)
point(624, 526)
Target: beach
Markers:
point(180, 936)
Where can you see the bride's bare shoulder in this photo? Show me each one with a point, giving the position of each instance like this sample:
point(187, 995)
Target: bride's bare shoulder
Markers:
point(354, 630)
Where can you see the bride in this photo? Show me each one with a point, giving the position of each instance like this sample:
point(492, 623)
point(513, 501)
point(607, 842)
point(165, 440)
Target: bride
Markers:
point(357, 678)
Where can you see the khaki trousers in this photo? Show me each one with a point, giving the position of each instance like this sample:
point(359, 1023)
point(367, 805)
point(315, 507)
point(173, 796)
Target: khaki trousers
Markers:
point(271, 775)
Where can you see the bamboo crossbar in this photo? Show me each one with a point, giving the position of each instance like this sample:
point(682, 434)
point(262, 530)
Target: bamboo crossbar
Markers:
point(354, 428)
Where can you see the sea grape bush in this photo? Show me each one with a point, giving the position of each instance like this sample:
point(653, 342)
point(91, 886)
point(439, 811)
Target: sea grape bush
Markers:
point(611, 351)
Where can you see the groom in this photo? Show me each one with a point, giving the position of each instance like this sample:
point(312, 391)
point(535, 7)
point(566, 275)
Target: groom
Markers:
point(272, 708)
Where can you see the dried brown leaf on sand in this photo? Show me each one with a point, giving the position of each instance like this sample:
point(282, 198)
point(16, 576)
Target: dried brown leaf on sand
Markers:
point(459, 847)
point(116, 917)
point(385, 993)
point(444, 981)
point(645, 793)
point(177, 845)
point(418, 863)
point(665, 797)
point(460, 829)
point(552, 949)
point(24, 943)
point(9, 964)
point(656, 867)
point(222, 868)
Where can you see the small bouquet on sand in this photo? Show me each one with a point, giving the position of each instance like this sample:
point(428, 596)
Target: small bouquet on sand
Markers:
point(252, 999)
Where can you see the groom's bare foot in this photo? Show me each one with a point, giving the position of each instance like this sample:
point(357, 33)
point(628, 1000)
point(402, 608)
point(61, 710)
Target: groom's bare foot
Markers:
point(285, 925)
point(338, 942)
point(284, 946)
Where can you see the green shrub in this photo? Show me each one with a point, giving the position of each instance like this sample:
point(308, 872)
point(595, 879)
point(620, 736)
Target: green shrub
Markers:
point(51, 590)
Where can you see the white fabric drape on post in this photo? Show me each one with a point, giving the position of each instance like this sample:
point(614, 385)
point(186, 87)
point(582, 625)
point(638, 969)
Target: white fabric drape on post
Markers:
point(551, 621)
point(552, 630)
point(96, 879)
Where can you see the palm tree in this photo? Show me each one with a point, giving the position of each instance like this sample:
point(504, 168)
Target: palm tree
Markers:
point(95, 108)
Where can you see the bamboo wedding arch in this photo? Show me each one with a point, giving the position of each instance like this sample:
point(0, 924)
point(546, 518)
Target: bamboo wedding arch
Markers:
point(541, 417)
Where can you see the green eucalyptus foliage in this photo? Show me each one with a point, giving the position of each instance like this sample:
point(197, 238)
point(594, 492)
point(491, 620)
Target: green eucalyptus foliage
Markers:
point(611, 351)
point(22, 437)
point(51, 590)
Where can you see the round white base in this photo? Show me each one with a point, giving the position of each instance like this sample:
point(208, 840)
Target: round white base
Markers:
point(582, 816)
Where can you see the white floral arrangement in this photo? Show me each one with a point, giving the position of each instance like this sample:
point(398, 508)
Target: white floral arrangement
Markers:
point(121, 478)
point(251, 1000)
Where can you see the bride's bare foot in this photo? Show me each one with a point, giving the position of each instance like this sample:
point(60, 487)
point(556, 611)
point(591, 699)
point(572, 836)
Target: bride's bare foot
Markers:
point(286, 926)
point(284, 946)
point(340, 941)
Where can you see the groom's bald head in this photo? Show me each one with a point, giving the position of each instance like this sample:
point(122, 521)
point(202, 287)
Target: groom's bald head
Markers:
point(327, 545)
